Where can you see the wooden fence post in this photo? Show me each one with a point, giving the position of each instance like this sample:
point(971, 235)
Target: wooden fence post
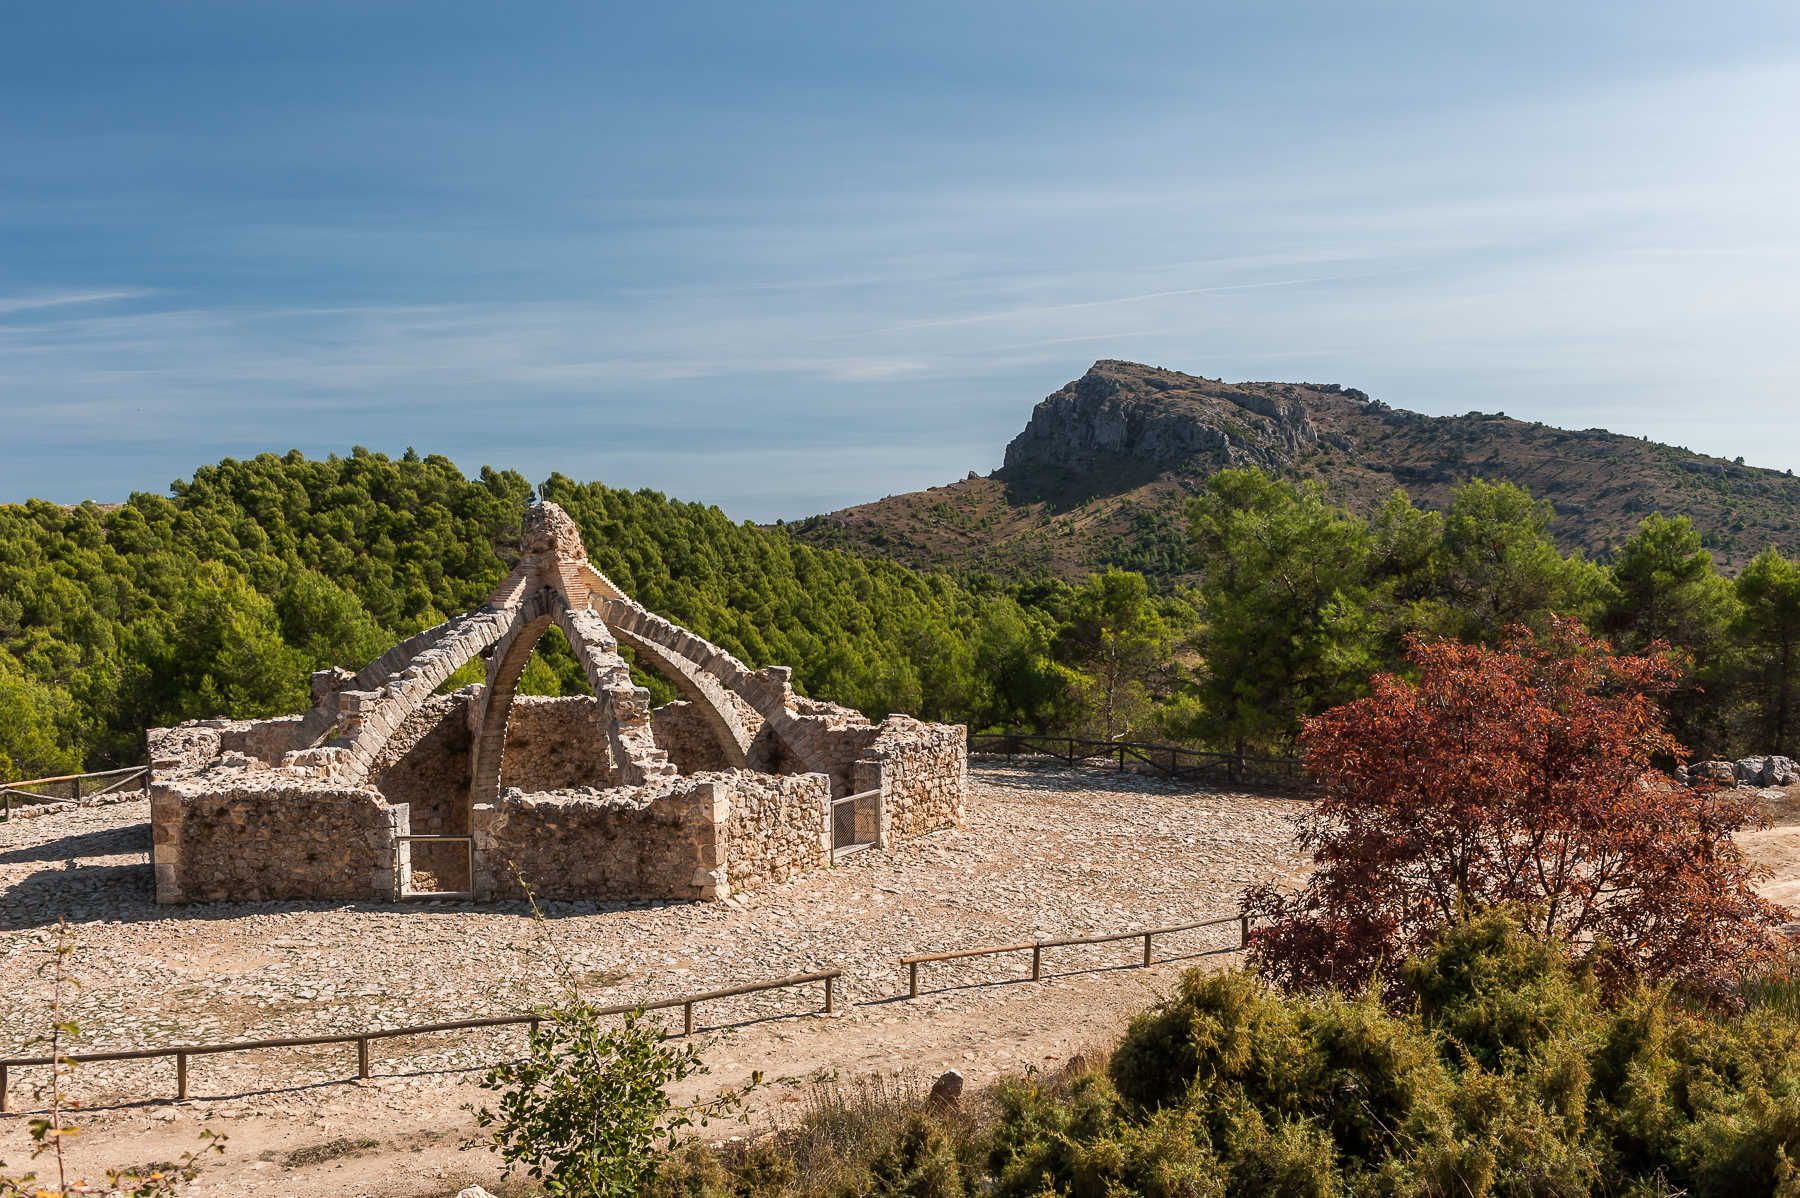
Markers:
point(1147, 949)
point(362, 1057)
point(181, 1085)
point(830, 995)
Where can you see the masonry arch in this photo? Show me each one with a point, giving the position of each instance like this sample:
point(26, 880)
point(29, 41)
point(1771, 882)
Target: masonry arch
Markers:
point(752, 716)
point(622, 713)
point(713, 701)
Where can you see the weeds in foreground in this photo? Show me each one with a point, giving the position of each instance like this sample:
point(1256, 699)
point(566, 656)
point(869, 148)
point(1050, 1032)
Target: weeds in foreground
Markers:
point(1775, 988)
point(587, 1112)
point(53, 1129)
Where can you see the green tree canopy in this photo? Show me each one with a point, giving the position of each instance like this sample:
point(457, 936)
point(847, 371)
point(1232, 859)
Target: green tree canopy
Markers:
point(1285, 604)
point(1118, 641)
point(1497, 565)
point(1769, 631)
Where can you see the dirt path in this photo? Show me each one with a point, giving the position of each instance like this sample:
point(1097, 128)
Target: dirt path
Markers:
point(1777, 848)
point(1046, 852)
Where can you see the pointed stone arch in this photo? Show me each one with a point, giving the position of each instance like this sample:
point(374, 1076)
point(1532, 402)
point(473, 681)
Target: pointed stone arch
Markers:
point(623, 715)
point(355, 714)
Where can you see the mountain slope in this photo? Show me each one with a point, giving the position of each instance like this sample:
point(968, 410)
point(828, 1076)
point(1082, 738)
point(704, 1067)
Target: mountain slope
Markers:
point(1098, 475)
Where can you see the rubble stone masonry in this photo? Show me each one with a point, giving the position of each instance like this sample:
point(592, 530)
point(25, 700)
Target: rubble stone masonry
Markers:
point(583, 797)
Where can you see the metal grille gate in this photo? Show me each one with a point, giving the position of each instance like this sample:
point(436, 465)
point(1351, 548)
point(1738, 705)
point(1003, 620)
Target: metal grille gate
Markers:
point(855, 823)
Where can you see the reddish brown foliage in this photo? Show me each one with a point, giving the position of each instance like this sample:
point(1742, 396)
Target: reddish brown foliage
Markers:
point(1520, 775)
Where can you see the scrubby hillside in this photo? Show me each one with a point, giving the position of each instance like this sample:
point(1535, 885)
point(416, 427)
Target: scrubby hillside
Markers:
point(1098, 475)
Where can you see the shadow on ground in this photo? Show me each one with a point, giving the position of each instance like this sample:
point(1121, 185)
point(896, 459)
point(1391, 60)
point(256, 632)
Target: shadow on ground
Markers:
point(108, 842)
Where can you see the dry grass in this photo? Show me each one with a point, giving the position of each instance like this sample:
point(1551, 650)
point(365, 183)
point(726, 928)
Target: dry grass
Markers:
point(330, 1150)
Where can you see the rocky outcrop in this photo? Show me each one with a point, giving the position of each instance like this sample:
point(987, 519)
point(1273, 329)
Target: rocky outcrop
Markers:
point(1745, 771)
point(1122, 424)
point(1766, 771)
point(1102, 472)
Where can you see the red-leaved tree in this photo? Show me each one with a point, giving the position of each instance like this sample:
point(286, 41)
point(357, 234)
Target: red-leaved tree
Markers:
point(1520, 775)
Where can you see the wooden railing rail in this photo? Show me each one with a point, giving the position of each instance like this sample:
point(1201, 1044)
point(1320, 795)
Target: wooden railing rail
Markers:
point(12, 792)
point(182, 1053)
point(1168, 761)
point(1037, 947)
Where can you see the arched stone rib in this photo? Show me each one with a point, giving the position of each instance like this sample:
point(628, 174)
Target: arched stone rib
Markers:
point(695, 667)
point(360, 718)
point(624, 709)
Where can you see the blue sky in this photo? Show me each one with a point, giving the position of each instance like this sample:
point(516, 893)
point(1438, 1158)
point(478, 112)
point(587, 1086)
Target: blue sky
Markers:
point(789, 257)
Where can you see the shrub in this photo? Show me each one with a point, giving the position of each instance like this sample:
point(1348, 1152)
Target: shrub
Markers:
point(1519, 776)
point(1510, 1073)
point(587, 1111)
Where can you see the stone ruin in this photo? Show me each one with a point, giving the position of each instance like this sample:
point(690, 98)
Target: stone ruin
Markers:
point(388, 789)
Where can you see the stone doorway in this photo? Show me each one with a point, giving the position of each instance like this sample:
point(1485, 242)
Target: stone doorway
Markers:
point(435, 867)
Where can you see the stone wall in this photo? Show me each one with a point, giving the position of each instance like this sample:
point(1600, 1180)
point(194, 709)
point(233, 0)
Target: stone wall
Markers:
point(197, 742)
point(922, 772)
point(690, 838)
point(260, 838)
point(556, 744)
point(660, 841)
point(190, 745)
point(777, 827)
point(684, 732)
point(815, 737)
point(264, 740)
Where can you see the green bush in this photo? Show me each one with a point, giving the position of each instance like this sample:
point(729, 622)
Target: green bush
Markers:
point(1509, 1074)
point(587, 1111)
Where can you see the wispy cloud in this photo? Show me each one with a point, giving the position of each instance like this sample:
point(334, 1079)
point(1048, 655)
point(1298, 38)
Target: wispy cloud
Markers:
point(64, 299)
point(1089, 305)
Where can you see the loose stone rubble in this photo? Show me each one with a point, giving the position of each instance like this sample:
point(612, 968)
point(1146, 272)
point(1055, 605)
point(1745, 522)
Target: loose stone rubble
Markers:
point(573, 798)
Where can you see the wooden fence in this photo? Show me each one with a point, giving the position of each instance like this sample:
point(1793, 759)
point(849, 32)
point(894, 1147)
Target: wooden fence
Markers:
point(1164, 761)
point(362, 1039)
point(79, 788)
point(1037, 947)
point(184, 1053)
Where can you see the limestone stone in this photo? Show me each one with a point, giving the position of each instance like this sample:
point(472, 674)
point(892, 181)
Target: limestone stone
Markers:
point(946, 1092)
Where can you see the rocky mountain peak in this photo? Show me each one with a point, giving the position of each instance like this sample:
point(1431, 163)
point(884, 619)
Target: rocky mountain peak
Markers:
point(1122, 424)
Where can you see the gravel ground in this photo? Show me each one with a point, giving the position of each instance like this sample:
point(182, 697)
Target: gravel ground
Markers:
point(1046, 852)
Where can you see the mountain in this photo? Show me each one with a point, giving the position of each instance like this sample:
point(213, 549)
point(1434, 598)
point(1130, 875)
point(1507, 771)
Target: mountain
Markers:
point(1099, 474)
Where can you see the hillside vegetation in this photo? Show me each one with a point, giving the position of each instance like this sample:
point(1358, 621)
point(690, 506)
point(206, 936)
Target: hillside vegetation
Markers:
point(1098, 477)
point(221, 597)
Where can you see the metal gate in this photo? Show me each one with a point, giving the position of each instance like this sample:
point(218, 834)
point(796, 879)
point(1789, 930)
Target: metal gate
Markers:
point(855, 823)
